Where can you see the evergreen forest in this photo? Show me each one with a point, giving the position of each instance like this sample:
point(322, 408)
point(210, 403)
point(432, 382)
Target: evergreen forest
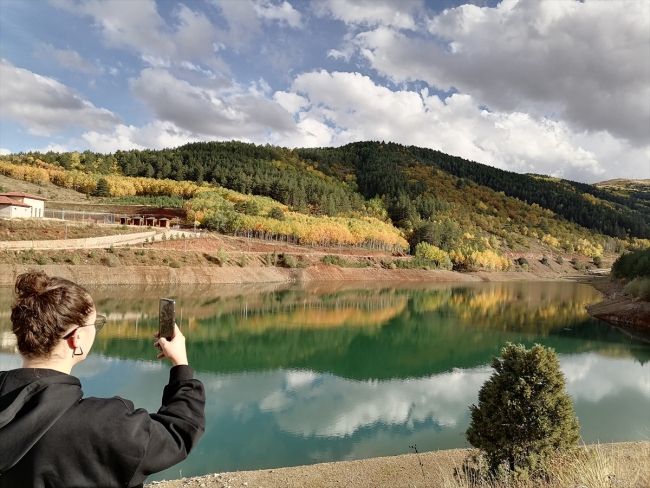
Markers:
point(456, 206)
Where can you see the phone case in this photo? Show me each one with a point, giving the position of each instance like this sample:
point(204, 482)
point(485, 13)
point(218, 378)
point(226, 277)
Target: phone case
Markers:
point(166, 317)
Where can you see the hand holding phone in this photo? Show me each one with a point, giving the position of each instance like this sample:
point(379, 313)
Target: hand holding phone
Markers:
point(171, 341)
point(166, 318)
point(173, 350)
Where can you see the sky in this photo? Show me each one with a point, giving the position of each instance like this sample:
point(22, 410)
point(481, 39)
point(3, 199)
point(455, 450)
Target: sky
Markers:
point(555, 87)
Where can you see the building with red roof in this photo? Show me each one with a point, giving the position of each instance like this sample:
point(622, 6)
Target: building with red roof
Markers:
point(18, 204)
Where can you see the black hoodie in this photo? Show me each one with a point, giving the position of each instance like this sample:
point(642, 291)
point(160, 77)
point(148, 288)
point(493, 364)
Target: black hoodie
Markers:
point(52, 437)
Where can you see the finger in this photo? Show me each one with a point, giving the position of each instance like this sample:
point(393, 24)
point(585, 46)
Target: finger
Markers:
point(156, 334)
point(155, 344)
point(160, 356)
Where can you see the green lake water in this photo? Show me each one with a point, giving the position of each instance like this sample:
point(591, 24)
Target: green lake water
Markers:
point(326, 372)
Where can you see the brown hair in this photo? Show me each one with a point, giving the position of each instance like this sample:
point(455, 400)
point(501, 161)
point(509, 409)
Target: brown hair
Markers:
point(44, 309)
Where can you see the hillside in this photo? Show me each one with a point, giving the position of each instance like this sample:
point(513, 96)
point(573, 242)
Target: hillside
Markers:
point(364, 194)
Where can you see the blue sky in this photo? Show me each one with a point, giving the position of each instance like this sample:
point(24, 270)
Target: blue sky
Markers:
point(557, 87)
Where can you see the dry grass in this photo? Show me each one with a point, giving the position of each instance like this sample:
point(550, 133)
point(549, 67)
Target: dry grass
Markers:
point(45, 229)
point(595, 466)
point(620, 465)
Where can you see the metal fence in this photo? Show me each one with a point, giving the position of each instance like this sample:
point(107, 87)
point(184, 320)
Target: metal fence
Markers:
point(75, 215)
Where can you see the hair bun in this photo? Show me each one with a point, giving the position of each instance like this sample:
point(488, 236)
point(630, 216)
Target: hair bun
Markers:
point(32, 283)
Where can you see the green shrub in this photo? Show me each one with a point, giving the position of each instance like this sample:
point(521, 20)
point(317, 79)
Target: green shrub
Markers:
point(175, 264)
point(41, 260)
point(277, 213)
point(91, 254)
point(545, 261)
point(598, 261)
point(75, 259)
point(632, 288)
point(632, 265)
point(275, 258)
point(243, 261)
point(290, 261)
point(638, 288)
point(524, 414)
point(521, 261)
point(578, 265)
point(267, 259)
point(165, 260)
point(524, 267)
point(644, 289)
point(111, 249)
point(559, 260)
point(339, 261)
point(247, 207)
point(222, 256)
point(111, 261)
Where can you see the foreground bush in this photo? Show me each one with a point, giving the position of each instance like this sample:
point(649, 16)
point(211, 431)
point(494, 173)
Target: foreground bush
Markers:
point(524, 414)
point(638, 288)
point(632, 265)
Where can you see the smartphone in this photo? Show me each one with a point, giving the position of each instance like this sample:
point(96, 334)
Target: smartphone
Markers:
point(166, 318)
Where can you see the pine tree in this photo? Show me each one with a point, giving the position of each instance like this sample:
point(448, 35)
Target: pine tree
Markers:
point(102, 190)
point(524, 414)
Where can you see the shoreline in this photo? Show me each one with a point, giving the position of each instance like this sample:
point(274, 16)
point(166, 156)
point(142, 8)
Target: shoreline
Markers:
point(164, 275)
point(625, 312)
point(427, 469)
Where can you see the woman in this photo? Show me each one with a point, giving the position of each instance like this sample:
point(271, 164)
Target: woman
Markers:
point(50, 435)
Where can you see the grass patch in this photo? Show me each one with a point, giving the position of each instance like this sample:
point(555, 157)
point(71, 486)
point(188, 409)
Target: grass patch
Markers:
point(342, 262)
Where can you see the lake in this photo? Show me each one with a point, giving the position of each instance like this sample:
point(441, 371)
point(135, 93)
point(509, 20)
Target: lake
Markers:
point(340, 371)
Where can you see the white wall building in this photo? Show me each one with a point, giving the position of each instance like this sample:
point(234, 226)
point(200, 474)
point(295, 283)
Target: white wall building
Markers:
point(35, 204)
point(10, 208)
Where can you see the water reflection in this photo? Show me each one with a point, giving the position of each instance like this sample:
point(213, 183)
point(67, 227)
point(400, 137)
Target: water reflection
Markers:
point(328, 372)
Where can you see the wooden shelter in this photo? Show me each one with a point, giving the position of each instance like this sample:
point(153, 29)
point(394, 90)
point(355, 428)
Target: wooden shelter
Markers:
point(125, 220)
point(152, 221)
point(164, 222)
point(137, 220)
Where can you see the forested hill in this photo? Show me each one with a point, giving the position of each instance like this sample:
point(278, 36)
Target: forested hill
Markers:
point(389, 169)
point(443, 200)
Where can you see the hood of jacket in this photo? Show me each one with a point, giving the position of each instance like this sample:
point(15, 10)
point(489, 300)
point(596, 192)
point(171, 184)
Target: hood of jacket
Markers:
point(29, 411)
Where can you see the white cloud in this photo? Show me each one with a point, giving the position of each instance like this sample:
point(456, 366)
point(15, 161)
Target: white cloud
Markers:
point(309, 404)
point(282, 13)
point(592, 377)
point(291, 102)
point(44, 105)
point(68, 58)
point(138, 26)
point(587, 63)
point(57, 148)
point(400, 15)
point(155, 135)
point(218, 113)
point(243, 23)
point(4, 152)
point(337, 108)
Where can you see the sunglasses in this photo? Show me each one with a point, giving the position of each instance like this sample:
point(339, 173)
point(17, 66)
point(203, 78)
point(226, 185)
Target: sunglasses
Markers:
point(98, 324)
